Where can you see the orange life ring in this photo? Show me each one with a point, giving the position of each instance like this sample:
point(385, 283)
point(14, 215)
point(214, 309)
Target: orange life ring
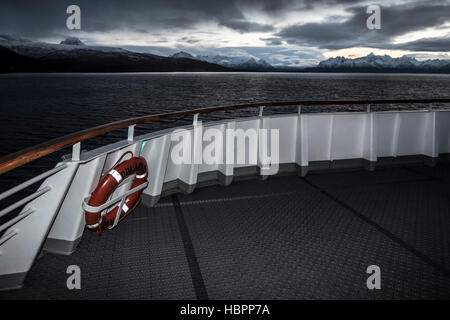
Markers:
point(108, 183)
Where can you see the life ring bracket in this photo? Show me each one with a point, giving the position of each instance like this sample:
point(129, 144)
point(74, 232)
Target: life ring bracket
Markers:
point(111, 202)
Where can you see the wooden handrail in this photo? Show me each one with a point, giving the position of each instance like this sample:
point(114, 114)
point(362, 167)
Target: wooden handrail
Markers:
point(24, 156)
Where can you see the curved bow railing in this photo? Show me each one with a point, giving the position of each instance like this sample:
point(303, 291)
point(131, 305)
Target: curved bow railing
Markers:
point(24, 156)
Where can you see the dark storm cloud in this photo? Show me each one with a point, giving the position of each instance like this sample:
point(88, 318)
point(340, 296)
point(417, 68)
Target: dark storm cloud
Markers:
point(46, 18)
point(245, 26)
point(395, 21)
point(39, 18)
point(42, 17)
point(427, 44)
point(188, 40)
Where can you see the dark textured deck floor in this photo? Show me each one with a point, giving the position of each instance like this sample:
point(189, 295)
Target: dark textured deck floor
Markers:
point(282, 238)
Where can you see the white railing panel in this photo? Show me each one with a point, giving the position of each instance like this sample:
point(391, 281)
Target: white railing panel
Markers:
point(19, 252)
point(69, 223)
point(253, 125)
point(319, 132)
point(411, 140)
point(156, 151)
point(385, 133)
point(348, 136)
point(287, 126)
point(218, 147)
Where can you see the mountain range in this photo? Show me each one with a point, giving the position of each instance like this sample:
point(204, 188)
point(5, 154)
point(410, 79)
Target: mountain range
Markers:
point(375, 63)
point(236, 62)
point(72, 55)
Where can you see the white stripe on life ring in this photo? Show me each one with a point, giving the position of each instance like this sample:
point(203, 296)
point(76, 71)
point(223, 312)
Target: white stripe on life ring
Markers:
point(140, 176)
point(92, 226)
point(116, 175)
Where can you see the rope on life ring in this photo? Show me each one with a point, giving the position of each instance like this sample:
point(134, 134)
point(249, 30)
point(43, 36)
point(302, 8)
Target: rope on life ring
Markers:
point(98, 221)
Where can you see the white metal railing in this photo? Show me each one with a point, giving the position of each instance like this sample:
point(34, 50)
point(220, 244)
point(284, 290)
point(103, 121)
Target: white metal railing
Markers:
point(32, 181)
point(76, 152)
point(76, 147)
point(13, 221)
point(24, 201)
point(8, 236)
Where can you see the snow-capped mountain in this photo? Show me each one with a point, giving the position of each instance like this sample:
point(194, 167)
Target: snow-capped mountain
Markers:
point(40, 49)
point(72, 41)
point(374, 62)
point(72, 55)
point(236, 62)
point(253, 63)
point(182, 55)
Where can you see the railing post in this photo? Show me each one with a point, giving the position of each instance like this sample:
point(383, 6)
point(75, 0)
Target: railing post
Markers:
point(261, 110)
point(76, 150)
point(368, 108)
point(119, 212)
point(430, 107)
point(301, 145)
point(431, 150)
point(195, 120)
point(131, 132)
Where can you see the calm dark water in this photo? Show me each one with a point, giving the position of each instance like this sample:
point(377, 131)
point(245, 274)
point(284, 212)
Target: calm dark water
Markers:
point(38, 107)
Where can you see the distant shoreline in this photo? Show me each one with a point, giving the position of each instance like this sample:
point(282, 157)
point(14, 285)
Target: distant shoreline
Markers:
point(90, 61)
point(221, 72)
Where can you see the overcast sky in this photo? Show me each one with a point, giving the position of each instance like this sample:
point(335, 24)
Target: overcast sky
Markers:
point(290, 32)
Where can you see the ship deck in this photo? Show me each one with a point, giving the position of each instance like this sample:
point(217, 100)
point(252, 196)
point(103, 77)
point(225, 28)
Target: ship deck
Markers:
point(285, 237)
